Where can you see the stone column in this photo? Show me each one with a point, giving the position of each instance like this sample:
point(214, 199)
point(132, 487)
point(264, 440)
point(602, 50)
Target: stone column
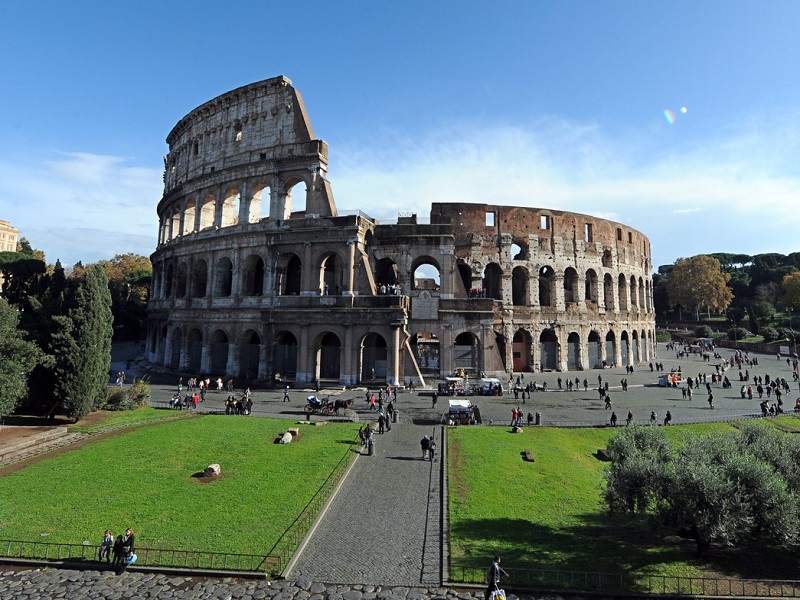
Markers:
point(309, 285)
point(351, 268)
point(348, 363)
point(557, 293)
point(306, 357)
point(393, 356)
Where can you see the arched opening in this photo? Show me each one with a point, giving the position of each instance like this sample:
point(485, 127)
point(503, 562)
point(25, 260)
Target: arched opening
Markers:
point(284, 360)
point(259, 203)
point(219, 352)
point(195, 351)
point(624, 348)
point(189, 214)
point(249, 354)
point(253, 276)
point(330, 275)
point(519, 286)
point(548, 350)
point(180, 284)
point(573, 352)
point(175, 223)
point(493, 281)
point(623, 293)
point(230, 208)
point(519, 250)
point(594, 351)
point(199, 279)
point(169, 281)
point(570, 286)
point(223, 278)
point(175, 348)
point(591, 288)
point(426, 351)
point(465, 275)
point(641, 293)
point(426, 274)
point(373, 357)
point(546, 278)
point(607, 262)
point(207, 210)
point(466, 353)
point(521, 350)
point(635, 347)
point(385, 275)
point(608, 291)
point(296, 192)
point(634, 295)
point(290, 277)
point(328, 353)
point(611, 349)
point(500, 344)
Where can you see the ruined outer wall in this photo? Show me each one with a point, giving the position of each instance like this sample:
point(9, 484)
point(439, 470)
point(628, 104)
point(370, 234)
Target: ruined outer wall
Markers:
point(248, 283)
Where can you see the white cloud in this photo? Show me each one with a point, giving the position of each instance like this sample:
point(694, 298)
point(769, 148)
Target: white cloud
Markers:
point(80, 206)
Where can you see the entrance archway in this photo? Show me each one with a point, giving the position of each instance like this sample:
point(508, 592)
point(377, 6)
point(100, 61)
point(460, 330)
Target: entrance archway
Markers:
point(219, 353)
point(573, 352)
point(328, 356)
point(548, 350)
point(466, 353)
point(284, 359)
point(373, 357)
point(521, 350)
point(249, 354)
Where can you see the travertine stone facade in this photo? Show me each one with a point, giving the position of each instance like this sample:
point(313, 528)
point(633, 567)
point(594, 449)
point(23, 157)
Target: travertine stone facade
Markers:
point(258, 276)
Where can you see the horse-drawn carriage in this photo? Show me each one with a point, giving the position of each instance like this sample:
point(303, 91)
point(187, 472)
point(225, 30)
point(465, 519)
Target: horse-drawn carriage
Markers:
point(325, 406)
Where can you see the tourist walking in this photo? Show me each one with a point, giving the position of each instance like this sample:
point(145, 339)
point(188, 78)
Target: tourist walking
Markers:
point(493, 577)
point(425, 444)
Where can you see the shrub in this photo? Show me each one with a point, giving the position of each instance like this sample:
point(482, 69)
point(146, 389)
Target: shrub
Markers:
point(770, 334)
point(704, 331)
point(738, 333)
point(129, 397)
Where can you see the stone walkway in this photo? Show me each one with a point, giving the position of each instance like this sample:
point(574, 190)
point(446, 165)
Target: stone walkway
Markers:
point(384, 525)
point(50, 584)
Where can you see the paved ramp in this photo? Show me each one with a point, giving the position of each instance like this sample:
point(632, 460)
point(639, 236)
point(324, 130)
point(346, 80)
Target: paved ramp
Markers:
point(384, 525)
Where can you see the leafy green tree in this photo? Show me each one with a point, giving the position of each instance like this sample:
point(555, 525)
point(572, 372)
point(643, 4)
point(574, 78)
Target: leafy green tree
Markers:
point(24, 247)
point(19, 357)
point(724, 487)
point(129, 278)
point(639, 470)
point(791, 290)
point(82, 346)
point(699, 283)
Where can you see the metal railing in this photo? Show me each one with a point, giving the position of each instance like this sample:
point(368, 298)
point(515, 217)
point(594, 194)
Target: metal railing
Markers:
point(629, 583)
point(149, 557)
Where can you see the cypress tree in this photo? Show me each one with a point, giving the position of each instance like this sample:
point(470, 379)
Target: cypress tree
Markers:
point(81, 344)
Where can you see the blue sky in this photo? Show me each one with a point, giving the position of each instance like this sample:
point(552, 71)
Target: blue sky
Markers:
point(545, 104)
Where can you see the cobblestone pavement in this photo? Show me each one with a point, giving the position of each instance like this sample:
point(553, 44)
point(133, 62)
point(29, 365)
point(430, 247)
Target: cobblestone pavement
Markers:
point(49, 584)
point(383, 527)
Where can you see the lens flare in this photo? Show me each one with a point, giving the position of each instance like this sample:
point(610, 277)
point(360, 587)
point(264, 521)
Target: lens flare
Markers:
point(669, 115)
point(684, 110)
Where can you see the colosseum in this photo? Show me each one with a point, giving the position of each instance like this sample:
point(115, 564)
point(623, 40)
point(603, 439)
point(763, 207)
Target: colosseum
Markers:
point(257, 275)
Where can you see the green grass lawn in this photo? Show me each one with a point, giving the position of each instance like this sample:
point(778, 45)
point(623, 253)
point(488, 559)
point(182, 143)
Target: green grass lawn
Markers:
point(104, 419)
point(143, 478)
point(549, 514)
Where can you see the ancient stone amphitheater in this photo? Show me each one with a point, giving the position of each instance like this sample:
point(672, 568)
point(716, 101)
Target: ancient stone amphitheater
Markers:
point(258, 276)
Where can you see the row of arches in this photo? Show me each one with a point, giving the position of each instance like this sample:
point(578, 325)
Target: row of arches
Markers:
point(195, 279)
point(231, 206)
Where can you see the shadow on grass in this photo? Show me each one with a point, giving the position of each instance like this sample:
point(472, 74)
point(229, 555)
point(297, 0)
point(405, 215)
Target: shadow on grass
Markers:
point(602, 543)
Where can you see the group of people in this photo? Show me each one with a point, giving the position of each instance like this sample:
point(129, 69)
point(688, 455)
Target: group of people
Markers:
point(120, 552)
point(239, 406)
point(428, 445)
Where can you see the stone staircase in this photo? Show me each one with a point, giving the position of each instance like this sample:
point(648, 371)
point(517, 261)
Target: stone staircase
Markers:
point(37, 443)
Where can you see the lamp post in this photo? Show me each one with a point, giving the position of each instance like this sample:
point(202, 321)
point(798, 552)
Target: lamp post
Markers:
point(794, 340)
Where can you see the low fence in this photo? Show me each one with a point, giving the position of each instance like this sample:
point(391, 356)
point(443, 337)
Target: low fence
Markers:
point(628, 583)
point(150, 557)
